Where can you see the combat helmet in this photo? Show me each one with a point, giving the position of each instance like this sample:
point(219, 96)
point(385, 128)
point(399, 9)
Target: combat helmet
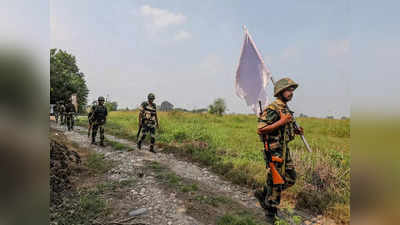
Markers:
point(101, 98)
point(151, 96)
point(282, 84)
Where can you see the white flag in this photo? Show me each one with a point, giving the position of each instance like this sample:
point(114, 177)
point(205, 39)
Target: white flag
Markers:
point(252, 75)
point(74, 99)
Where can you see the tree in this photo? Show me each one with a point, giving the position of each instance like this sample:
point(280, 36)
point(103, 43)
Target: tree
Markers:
point(111, 106)
point(218, 107)
point(66, 78)
point(166, 106)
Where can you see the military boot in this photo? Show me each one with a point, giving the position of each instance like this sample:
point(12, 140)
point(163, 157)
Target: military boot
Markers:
point(260, 196)
point(102, 143)
point(139, 144)
point(152, 149)
point(93, 140)
point(270, 214)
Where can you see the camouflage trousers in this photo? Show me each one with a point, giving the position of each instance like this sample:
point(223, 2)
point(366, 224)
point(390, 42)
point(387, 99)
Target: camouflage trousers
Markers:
point(271, 192)
point(69, 119)
point(56, 115)
point(62, 118)
point(96, 127)
point(148, 129)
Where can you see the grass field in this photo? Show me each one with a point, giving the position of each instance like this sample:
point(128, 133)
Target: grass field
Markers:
point(230, 146)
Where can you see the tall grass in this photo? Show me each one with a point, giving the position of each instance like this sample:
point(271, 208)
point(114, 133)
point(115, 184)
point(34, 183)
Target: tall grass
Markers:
point(231, 147)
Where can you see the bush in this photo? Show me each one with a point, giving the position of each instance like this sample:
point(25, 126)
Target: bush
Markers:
point(218, 107)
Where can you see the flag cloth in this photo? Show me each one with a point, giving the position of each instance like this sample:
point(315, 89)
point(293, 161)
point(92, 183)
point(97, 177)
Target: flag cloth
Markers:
point(74, 99)
point(252, 75)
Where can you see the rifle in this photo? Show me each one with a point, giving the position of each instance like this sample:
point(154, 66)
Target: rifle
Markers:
point(276, 177)
point(140, 128)
point(296, 126)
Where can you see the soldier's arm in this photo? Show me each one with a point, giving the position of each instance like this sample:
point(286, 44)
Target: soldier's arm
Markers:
point(141, 108)
point(272, 116)
point(106, 113)
point(157, 120)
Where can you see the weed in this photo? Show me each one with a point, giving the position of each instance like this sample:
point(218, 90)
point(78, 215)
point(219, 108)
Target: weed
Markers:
point(97, 163)
point(243, 219)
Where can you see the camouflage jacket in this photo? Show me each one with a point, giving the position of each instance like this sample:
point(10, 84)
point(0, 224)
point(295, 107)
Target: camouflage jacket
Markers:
point(61, 108)
point(269, 116)
point(70, 108)
point(148, 113)
point(99, 114)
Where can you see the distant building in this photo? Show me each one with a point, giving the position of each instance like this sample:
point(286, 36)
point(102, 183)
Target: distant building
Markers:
point(303, 115)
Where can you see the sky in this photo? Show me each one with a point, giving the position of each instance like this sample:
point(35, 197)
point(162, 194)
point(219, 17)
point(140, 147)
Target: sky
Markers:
point(186, 52)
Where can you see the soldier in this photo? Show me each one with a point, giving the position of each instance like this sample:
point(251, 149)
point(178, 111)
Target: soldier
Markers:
point(90, 116)
point(99, 117)
point(57, 111)
point(148, 121)
point(69, 115)
point(61, 111)
point(277, 126)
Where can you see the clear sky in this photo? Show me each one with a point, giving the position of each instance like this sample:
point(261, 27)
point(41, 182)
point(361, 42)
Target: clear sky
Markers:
point(186, 52)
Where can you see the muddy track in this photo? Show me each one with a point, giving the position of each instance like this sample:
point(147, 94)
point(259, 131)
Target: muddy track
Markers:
point(164, 203)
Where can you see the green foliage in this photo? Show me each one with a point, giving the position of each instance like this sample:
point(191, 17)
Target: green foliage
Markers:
point(111, 106)
point(218, 107)
point(281, 221)
point(66, 78)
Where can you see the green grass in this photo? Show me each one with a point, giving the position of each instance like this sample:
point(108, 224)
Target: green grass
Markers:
point(230, 146)
point(116, 145)
point(237, 219)
point(97, 163)
point(213, 200)
point(82, 208)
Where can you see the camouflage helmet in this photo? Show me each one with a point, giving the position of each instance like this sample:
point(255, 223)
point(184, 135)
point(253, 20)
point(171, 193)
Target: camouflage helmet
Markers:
point(151, 96)
point(282, 84)
point(101, 98)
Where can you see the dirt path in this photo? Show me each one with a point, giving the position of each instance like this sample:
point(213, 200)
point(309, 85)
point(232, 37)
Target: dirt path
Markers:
point(174, 191)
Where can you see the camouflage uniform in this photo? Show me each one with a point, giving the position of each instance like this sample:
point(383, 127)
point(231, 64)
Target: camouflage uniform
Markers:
point(148, 115)
point(99, 118)
point(61, 111)
point(57, 111)
point(69, 115)
point(278, 141)
point(90, 114)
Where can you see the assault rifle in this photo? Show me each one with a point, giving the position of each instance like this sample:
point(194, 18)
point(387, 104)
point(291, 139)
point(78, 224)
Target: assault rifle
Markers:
point(138, 133)
point(276, 177)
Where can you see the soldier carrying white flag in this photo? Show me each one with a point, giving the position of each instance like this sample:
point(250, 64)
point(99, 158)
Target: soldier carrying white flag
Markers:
point(276, 124)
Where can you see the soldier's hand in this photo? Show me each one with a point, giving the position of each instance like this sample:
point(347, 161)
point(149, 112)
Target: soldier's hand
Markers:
point(299, 131)
point(285, 118)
